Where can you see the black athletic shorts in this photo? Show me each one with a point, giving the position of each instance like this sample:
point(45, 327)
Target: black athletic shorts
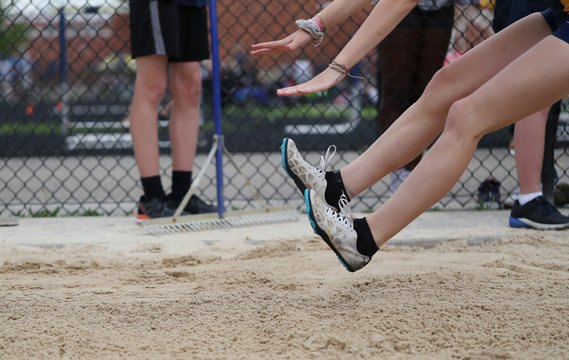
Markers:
point(507, 12)
point(441, 19)
point(162, 27)
point(559, 24)
point(557, 16)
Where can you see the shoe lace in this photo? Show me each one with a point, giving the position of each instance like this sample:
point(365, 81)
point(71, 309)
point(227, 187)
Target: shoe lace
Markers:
point(324, 160)
point(345, 216)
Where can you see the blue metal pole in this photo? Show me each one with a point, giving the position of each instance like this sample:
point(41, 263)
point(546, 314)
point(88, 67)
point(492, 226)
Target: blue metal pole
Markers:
point(216, 104)
point(62, 51)
point(63, 86)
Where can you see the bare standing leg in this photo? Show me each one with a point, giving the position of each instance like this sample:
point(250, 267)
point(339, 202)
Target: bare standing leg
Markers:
point(151, 80)
point(186, 85)
point(531, 133)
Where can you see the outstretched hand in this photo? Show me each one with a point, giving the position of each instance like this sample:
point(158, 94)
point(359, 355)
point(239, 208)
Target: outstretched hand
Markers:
point(299, 38)
point(292, 42)
point(323, 81)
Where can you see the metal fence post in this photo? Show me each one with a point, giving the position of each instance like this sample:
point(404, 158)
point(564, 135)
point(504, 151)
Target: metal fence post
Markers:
point(548, 168)
point(216, 89)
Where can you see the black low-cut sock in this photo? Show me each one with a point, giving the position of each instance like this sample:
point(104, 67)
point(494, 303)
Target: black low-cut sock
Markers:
point(365, 244)
point(334, 187)
point(152, 187)
point(181, 182)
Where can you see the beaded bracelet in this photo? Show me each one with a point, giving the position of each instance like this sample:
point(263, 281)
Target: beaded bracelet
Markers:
point(343, 69)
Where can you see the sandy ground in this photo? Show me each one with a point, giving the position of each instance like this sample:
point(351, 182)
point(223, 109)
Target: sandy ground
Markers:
point(104, 289)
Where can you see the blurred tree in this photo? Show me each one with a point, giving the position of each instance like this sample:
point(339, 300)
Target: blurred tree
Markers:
point(13, 35)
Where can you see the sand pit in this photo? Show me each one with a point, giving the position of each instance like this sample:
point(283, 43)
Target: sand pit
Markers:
point(287, 298)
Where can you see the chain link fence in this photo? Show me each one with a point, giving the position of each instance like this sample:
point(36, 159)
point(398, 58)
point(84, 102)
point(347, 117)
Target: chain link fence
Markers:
point(67, 78)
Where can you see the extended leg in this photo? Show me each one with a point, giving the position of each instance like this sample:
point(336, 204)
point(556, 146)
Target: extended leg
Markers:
point(522, 88)
point(425, 119)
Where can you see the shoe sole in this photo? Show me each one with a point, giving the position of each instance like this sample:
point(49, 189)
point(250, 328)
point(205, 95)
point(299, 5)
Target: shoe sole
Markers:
point(321, 232)
point(299, 184)
point(139, 219)
point(528, 224)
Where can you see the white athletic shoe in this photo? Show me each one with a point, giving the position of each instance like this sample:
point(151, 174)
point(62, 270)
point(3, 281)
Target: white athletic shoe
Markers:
point(306, 176)
point(336, 229)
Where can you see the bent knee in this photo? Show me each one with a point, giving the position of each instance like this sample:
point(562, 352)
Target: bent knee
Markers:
point(439, 94)
point(440, 81)
point(462, 121)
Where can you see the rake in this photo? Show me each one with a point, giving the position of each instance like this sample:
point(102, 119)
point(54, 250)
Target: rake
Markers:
point(221, 219)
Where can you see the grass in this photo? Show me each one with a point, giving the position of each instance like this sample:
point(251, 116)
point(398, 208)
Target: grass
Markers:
point(45, 213)
point(88, 212)
point(487, 206)
point(29, 129)
point(309, 111)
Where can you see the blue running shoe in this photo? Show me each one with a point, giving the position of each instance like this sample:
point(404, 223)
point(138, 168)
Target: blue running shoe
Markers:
point(537, 214)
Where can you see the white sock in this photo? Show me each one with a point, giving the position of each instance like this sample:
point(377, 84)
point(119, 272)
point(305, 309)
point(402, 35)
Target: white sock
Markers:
point(525, 198)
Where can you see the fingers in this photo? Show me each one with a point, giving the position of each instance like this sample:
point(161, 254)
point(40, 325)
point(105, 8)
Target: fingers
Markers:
point(267, 51)
point(301, 89)
point(290, 43)
point(290, 91)
point(271, 47)
point(268, 44)
point(264, 52)
point(321, 82)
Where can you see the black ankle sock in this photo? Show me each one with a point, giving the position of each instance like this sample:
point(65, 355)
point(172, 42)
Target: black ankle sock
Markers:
point(152, 187)
point(181, 182)
point(334, 187)
point(365, 244)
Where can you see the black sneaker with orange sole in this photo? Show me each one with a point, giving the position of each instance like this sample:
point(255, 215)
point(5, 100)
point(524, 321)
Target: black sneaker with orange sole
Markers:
point(194, 206)
point(154, 208)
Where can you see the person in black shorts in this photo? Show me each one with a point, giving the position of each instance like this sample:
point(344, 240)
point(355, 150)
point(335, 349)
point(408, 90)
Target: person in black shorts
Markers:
point(407, 60)
point(167, 37)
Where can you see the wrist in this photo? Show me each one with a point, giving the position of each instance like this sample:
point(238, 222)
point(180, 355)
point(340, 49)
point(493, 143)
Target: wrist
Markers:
point(315, 26)
point(342, 69)
point(319, 20)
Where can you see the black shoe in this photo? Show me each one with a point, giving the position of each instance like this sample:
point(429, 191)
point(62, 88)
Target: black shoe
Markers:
point(154, 208)
point(194, 206)
point(561, 194)
point(489, 194)
point(537, 214)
